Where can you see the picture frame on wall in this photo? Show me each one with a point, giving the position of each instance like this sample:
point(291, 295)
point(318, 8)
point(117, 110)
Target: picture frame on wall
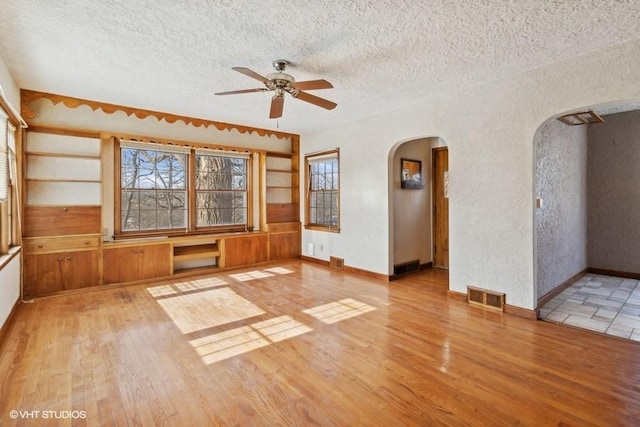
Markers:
point(411, 174)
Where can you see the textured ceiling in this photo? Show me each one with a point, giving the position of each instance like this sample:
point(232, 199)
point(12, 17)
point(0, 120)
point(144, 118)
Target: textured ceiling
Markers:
point(171, 56)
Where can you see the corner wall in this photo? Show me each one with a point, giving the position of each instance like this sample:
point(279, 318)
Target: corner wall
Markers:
point(614, 193)
point(561, 221)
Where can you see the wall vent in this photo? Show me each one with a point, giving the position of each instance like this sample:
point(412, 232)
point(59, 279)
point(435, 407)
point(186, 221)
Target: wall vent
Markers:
point(406, 267)
point(485, 298)
point(583, 118)
point(335, 262)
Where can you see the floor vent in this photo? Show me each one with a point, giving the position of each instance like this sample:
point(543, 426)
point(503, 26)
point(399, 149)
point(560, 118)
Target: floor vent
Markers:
point(335, 262)
point(406, 267)
point(485, 298)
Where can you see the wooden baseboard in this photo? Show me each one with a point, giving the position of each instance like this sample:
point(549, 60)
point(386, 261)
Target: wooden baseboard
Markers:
point(367, 273)
point(458, 296)
point(561, 287)
point(314, 260)
point(521, 312)
point(426, 265)
point(347, 268)
point(625, 274)
point(4, 330)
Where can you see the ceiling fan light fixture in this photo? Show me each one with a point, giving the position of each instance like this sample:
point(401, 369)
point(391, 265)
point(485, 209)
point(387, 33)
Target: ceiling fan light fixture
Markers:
point(281, 83)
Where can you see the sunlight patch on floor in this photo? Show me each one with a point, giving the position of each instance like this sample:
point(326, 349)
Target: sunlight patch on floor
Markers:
point(250, 275)
point(279, 270)
point(339, 310)
point(175, 288)
point(223, 345)
point(199, 284)
point(202, 310)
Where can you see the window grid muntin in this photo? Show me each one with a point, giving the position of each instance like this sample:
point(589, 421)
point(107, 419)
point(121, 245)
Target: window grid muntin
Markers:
point(221, 190)
point(149, 177)
point(323, 198)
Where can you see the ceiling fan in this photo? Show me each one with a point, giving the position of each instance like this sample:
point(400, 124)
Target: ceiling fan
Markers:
point(281, 83)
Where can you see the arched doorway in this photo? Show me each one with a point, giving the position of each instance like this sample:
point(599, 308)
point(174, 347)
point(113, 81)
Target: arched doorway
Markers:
point(585, 219)
point(412, 217)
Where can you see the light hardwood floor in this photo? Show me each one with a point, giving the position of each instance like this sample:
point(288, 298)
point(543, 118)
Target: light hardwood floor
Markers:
point(295, 343)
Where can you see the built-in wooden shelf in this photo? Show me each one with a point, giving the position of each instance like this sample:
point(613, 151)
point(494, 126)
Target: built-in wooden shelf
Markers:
point(184, 253)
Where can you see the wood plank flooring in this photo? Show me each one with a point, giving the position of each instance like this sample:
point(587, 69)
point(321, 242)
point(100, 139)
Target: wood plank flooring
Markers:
point(320, 347)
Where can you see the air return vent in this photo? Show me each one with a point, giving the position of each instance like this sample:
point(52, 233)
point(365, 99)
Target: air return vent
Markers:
point(335, 262)
point(485, 298)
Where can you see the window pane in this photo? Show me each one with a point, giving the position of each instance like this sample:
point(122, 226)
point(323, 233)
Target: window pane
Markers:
point(221, 196)
point(322, 202)
point(154, 186)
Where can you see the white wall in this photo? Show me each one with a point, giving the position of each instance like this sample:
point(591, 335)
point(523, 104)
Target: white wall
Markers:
point(10, 273)
point(489, 130)
point(412, 212)
point(561, 221)
point(614, 193)
point(9, 288)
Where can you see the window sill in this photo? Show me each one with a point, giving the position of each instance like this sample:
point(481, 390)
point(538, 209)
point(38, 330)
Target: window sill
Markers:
point(321, 228)
point(6, 258)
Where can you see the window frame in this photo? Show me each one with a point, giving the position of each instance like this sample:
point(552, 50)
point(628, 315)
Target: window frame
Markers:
point(309, 160)
point(8, 206)
point(190, 184)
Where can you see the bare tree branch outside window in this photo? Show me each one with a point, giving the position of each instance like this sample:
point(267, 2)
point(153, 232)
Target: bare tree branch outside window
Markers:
point(154, 190)
point(155, 196)
point(323, 193)
point(221, 190)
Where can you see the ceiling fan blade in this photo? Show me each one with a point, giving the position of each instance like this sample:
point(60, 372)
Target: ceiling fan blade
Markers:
point(277, 103)
point(312, 84)
point(252, 74)
point(320, 102)
point(233, 92)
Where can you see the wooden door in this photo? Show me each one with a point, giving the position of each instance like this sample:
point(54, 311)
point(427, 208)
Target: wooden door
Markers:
point(155, 261)
point(43, 274)
point(246, 250)
point(121, 265)
point(440, 157)
point(80, 269)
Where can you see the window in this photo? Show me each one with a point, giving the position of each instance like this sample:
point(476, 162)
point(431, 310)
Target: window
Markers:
point(323, 191)
point(160, 185)
point(4, 156)
point(221, 190)
point(153, 188)
point(7, 180)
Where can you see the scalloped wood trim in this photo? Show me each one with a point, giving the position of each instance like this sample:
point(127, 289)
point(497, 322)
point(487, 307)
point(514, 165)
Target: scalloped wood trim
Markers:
point(27, 97)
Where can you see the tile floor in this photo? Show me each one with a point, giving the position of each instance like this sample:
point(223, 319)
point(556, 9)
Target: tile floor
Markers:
point(606, 304)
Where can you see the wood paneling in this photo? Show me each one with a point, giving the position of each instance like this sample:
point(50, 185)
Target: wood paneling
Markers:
point(80, 269)
point(155, 261)
point(61, 220)
point(415, 358)
point(131, 263)
point(43, 274)
point(44, 244)
point(246, 250)
point(49, 273)
point(284, 245)
point(284, 240)
point(283, 212)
